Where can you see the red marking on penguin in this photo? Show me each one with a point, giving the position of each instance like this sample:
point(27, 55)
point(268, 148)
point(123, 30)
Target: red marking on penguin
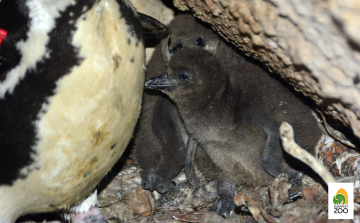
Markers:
point(3, 34)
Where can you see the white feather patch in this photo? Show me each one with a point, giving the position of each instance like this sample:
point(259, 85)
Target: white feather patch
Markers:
point(42, 14)
point(212, 46)
point(86, 205)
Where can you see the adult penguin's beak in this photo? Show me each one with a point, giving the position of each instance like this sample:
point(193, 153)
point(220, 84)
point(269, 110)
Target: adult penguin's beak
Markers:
point(152, 28)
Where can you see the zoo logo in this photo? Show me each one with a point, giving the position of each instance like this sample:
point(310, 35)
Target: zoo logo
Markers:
point(341, 202)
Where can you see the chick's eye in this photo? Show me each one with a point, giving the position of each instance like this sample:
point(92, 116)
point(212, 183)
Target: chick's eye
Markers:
point(200, 42)
point(183, 77)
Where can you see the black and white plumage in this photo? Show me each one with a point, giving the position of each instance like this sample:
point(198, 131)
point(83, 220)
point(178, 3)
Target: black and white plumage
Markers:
point(235, 115)
point(71, 82)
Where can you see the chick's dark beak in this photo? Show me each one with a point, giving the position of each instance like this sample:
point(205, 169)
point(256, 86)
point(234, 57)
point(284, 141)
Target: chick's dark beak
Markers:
point(159, 82)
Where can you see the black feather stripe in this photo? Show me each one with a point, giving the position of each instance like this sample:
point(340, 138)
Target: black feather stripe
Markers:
point(19, 110)
point(14, 18)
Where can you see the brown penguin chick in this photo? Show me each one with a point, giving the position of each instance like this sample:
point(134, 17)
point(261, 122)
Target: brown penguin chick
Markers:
point(158, 145)
point(187, 32)
point(235, 115)
point(159, 148)
point(160, 136)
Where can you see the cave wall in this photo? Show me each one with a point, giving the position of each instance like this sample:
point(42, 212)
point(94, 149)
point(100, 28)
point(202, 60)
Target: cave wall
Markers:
point(314, 45)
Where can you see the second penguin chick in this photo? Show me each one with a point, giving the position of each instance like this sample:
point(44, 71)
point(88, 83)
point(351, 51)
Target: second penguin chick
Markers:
point(187, 32)
point(236, 114)
point(159, 146)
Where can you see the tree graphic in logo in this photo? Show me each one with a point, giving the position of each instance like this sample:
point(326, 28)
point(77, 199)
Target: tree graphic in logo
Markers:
point(341, 197)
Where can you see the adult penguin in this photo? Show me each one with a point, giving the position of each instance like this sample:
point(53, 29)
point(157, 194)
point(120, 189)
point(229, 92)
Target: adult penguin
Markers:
point(71, 82)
